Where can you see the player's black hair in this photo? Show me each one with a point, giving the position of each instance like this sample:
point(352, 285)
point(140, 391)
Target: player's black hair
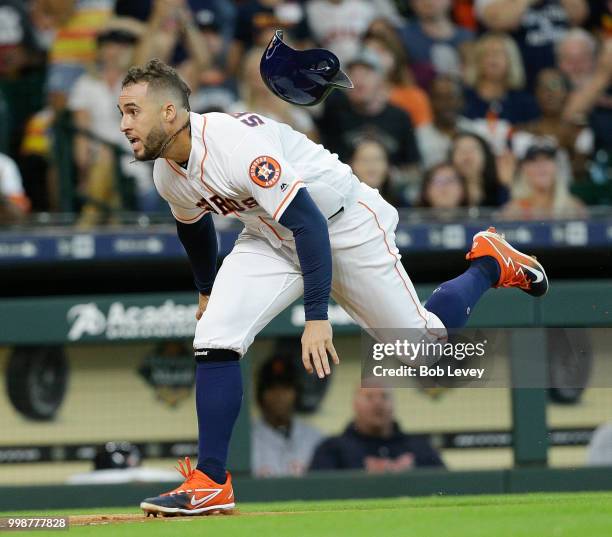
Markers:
point(159, 77)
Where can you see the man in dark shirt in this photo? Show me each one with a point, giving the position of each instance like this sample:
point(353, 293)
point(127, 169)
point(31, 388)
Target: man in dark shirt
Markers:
point(433, 41)
point(365, 113)
point(256, 22)
point(374, 441)
point(535, 25)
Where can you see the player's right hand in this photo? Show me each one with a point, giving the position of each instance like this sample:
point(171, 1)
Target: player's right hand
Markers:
point(316, 345)
point(202, 303)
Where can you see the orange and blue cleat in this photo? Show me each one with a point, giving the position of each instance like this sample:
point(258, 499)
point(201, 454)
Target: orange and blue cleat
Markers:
point(516, 268)
point(198, 495)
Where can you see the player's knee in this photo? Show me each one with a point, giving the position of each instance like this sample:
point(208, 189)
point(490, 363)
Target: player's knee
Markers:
point(204, 355)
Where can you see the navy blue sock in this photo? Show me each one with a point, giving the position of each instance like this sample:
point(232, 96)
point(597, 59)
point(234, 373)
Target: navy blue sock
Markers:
point(455, 299)
point(218, 400)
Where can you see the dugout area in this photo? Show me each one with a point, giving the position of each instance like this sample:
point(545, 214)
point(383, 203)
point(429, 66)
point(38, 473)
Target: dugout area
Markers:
point(492, 440)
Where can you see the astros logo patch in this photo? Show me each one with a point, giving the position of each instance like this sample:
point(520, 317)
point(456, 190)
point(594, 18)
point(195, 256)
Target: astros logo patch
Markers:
point(265, 171)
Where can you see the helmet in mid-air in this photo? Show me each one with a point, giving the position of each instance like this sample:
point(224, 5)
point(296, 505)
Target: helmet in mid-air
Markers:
point(303, 77)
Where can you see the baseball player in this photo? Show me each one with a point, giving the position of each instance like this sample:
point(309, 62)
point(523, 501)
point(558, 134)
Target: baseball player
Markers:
point(311, 229)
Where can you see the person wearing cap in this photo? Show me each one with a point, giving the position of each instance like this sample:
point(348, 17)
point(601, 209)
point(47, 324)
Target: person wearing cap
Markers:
point(172, 32)
point(365, 111)
point(282, 444)
point(256, 22)
point(373, 441)
point(538, 192)
point(92, 102)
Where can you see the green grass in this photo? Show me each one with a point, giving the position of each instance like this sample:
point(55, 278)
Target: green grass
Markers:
point(528, 515)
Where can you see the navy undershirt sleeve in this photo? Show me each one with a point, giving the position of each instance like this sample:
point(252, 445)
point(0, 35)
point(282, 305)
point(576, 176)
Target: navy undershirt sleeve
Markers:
point(311, 236)
point(200, 243)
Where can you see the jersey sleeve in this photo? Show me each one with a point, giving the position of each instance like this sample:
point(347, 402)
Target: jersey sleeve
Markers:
point(258, 169)
point(185, 215)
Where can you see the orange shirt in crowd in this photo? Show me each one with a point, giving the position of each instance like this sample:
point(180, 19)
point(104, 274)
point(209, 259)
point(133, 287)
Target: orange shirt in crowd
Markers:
point(413, 100)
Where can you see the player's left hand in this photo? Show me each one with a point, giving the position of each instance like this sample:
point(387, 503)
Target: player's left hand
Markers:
point(316, 345)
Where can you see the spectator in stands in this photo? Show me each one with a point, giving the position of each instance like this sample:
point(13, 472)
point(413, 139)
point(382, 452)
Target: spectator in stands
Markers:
point(474, 160)
point(339, 25)
point(435, 139)
point(495, 78)
point(256, 21)
point(19, 48)
point(171, 33)
point(282, 444)
point(433, 41)
point(93, 102)
point(535, 25)
point(205, 14)
point(373, 441)
point(365, 111)
point(404, 93)
point(13, 202)
point(204, 26)
point(590, 97)
point(575, 142)
point(443, 188)
point(74, 48)
point(370, 163)
point(256, 97)
point(538, 192)
point(576, 56)
point(22, 73)
point(212, 88)
point(592, 101)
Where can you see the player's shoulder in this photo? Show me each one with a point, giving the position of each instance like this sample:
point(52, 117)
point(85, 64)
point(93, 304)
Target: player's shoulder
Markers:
point(228, 133)
point(222, 123)
point(222, 131)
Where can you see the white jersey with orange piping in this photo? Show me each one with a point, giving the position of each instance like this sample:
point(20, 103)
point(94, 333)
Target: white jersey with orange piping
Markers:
point(250, 167)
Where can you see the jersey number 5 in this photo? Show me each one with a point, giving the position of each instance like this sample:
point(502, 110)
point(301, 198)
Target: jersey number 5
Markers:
point(252, 121)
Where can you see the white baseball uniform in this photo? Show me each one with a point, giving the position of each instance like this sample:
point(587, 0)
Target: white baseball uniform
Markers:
point(250, 167)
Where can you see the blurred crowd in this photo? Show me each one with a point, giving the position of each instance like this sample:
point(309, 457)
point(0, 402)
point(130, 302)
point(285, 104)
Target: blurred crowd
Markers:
point(458, 104)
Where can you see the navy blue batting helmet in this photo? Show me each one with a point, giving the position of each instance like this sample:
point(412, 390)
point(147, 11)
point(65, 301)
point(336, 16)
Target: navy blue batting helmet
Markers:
point(303, 77)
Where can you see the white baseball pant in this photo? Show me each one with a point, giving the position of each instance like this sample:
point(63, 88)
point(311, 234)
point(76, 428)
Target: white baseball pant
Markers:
point(257, 281)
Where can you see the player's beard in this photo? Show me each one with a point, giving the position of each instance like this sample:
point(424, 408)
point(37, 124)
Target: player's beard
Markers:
point(153, 144)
